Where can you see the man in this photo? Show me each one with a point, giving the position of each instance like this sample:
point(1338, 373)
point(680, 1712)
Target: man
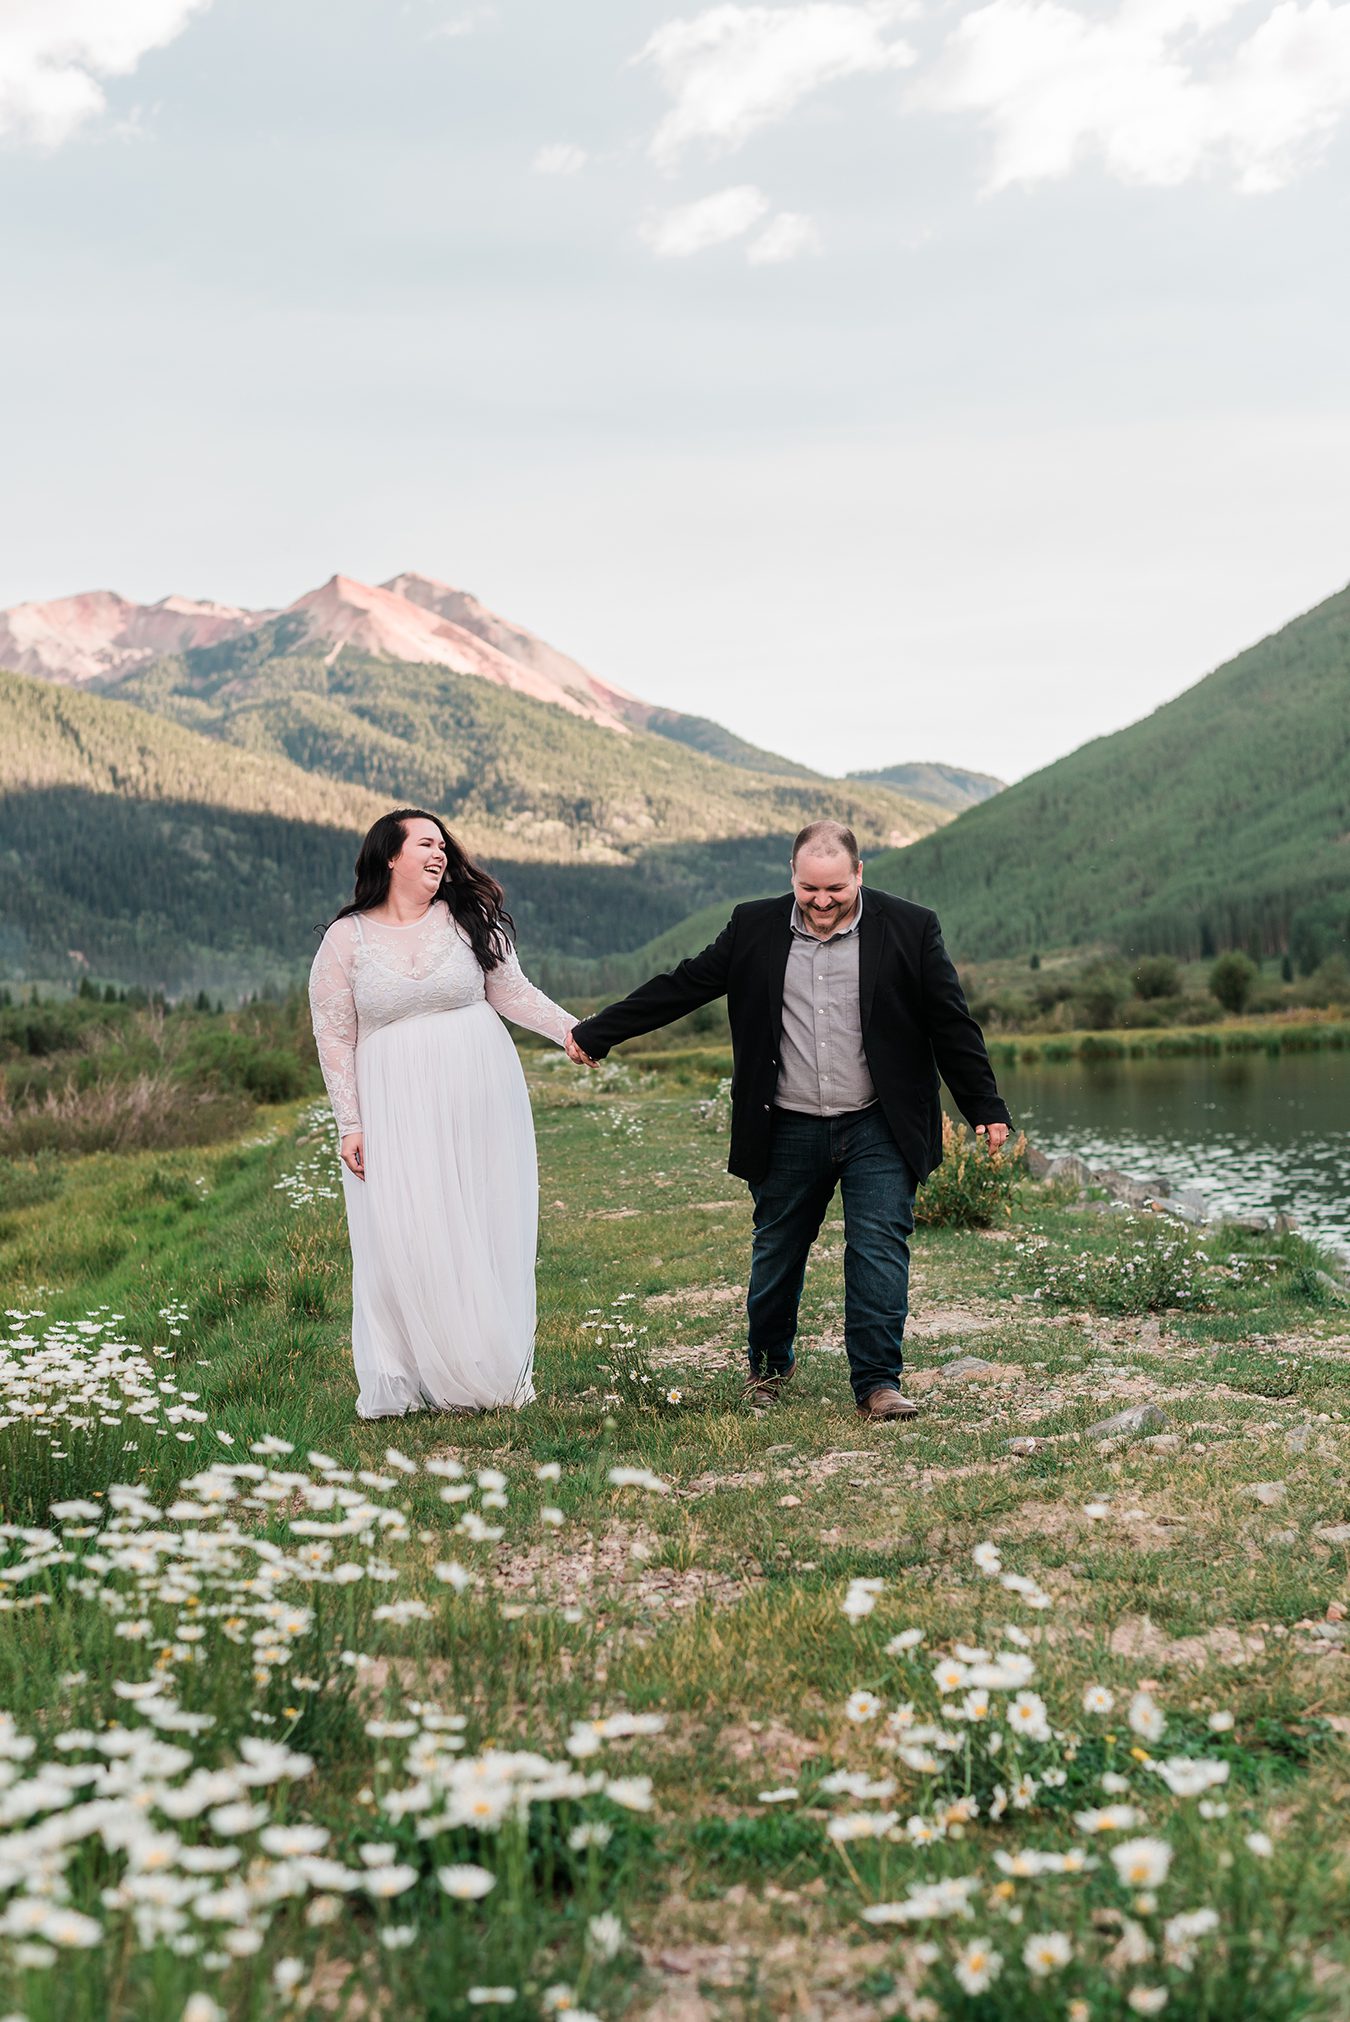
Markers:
point(844, 1008)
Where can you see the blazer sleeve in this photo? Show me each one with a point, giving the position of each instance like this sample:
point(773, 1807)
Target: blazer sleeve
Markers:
point(958, 1043)
point(662, 1000)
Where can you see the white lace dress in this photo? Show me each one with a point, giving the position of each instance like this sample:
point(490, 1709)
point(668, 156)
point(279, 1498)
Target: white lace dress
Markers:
point(444, 1226)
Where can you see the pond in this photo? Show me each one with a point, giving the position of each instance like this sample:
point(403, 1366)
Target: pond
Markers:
point(1255, 1134)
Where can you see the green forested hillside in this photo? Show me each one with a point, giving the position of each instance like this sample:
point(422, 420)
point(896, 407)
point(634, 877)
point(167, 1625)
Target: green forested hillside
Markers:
point(142, 850)
point(949, 786)
point(515, 775)
point(58, 737)
point(1221, 820)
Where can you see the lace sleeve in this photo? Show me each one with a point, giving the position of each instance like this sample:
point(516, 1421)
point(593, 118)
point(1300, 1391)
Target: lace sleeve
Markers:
point(510, 993)
point(333, 1009)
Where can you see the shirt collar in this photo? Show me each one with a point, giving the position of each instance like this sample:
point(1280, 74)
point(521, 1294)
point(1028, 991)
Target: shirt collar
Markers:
point(799, 925)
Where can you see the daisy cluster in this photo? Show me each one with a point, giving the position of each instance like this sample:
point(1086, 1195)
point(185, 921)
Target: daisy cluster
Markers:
point(1112, 1918)
point(72, 1382)
point(171, 1806)
point(634, 1379)
point(1151, 1266)
point(317, 1174)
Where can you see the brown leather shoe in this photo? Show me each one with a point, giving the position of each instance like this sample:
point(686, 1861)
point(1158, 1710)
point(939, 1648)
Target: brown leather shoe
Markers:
point(887, 1403)
point(769, 1387)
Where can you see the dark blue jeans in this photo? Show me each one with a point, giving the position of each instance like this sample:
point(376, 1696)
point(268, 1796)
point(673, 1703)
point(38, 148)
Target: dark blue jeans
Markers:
point(809, 1156)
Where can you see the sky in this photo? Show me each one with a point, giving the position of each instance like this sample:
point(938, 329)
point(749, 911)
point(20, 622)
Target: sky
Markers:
point(887, 381)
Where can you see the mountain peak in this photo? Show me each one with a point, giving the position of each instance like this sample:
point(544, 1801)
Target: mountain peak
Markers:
point(98, 635)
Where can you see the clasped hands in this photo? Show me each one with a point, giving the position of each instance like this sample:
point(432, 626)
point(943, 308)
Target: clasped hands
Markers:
point(575, 1053)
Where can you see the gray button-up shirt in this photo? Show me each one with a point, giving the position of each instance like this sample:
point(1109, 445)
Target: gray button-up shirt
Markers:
point(823, 1069)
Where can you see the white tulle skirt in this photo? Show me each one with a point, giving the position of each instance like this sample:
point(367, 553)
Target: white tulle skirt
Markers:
point(444, 1228)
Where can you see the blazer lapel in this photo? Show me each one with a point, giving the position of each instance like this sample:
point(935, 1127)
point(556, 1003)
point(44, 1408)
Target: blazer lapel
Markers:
point(779, 948)
point(871, 929)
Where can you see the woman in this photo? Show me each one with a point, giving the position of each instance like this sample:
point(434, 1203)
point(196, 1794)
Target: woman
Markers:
point(437, 1140)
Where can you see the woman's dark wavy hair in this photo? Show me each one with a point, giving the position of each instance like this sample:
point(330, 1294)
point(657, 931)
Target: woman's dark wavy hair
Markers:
point(475, 899)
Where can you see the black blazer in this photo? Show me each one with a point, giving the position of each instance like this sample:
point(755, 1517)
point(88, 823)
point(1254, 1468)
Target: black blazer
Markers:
point(915, 1023)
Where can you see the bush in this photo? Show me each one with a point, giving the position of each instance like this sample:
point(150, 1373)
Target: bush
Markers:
point(1157, 976)
point(238, 1061)
point(973, 1187)
point(1099, 994)
point(1231, 980)
point(1155, 1265)
point(1329, 984)
point(153, 1111)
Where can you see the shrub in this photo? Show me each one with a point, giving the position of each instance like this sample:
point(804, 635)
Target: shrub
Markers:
point(151, 1111)
point(1155, 1264)
point(1231, 980)
point(1157, 976)
point(973, 1187)
point(238, 1061)
point(1329, 984)
point(1100, 992)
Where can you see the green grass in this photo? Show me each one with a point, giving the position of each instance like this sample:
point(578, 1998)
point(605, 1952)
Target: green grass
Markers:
point(726, 1620)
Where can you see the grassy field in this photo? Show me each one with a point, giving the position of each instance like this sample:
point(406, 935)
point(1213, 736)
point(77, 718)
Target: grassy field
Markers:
point(638, 1702)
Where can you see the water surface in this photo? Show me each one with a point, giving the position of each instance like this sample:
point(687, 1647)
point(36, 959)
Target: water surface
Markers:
point(1255, 1134)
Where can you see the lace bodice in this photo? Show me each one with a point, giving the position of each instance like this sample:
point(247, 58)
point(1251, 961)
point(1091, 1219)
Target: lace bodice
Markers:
point(369, 972)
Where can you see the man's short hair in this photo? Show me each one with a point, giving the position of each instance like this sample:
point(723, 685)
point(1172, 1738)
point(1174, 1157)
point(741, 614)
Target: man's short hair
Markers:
point(829, 838)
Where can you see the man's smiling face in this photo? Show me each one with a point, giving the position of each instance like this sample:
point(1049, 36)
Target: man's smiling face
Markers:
point(826, 886)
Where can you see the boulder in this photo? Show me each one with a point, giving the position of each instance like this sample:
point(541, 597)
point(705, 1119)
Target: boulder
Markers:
point(965, 1367)
point(1068, 1167)
point(1136, 1418)
point(1038, 1165)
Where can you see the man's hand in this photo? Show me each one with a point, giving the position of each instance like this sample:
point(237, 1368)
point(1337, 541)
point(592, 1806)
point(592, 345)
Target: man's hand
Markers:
point(354, 1153)
point(997, 1133)
point(575, 1053)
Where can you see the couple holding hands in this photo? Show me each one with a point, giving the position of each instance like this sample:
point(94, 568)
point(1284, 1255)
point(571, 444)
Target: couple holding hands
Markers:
point(844, 1007)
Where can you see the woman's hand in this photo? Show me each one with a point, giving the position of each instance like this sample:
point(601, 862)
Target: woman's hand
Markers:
point(354, 1153)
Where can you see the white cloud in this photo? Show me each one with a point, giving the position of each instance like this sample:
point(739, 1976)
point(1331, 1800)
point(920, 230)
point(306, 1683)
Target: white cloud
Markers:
point(1148, 88)
point(53, 52)
point(785, 237)
point(731, 70)
point(690, 228)
point(467, 22)
point(561, 159)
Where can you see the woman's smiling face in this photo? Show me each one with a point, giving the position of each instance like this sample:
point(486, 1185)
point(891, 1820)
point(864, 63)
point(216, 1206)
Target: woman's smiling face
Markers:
point(418, 868)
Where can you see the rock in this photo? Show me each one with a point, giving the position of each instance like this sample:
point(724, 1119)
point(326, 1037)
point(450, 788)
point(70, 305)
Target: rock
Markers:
point(1137, 1418)
point(1334, 1534)
point(1023, 1444)
point(1335, 1286)
point(1038, 1165)
point(1250, 1225)
point(966, 1366)
point(1190, 1204)
point(1076, 1171)
point(1285, 1225)
point(1282, 1538)
point(1135, 1193)
point(1327, 1632)
point(1163, 1442)
point(1268, 1493)
point(1297, 1437)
